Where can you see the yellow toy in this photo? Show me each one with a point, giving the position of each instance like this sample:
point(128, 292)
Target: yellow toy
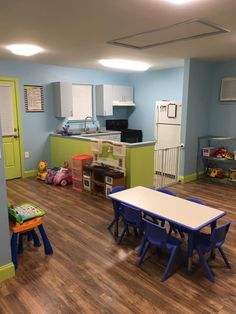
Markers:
point(216, 173)
point(42, 170)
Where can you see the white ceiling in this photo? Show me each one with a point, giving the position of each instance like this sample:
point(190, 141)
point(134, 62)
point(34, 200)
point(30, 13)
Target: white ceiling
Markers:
point(75, 32)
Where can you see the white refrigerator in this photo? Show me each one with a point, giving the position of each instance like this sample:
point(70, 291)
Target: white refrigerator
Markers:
point(168, 116)
point(167, 137)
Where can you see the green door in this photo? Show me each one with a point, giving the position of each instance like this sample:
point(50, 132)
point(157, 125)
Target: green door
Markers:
point(10, 129)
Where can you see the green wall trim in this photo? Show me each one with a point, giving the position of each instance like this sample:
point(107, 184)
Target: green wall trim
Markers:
point(189, 178)
point(7, 271)
point(30, 173)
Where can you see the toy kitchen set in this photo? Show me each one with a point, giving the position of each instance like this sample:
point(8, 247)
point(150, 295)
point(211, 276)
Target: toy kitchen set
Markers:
point(96, 173)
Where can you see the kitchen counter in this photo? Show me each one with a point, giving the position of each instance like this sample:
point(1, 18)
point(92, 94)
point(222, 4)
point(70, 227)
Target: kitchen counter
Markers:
point(139, 159)
point(95, 136)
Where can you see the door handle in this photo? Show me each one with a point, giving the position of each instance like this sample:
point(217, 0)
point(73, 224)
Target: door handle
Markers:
point(16, 135)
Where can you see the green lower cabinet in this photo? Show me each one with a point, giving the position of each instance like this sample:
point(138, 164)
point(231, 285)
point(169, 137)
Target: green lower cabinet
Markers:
point(139, 160)
point(140, 166)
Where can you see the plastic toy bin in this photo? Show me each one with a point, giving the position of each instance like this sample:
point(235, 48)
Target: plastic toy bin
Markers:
point(77, 173)
point(78, 163)
point(77, 184)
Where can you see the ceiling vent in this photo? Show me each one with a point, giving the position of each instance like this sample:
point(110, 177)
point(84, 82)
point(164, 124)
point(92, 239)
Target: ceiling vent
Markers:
point(191, 29)
point(228, 89)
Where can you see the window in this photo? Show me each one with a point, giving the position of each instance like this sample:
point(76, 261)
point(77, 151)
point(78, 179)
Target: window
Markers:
point(82, 101)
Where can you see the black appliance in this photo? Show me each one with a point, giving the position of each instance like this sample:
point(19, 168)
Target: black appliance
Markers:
point(127, 135)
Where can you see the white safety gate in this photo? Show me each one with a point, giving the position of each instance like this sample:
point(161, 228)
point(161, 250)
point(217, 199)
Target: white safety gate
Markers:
point(167, 166)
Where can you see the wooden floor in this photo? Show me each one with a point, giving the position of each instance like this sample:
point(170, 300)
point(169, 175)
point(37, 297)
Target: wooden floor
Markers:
point(90, 273)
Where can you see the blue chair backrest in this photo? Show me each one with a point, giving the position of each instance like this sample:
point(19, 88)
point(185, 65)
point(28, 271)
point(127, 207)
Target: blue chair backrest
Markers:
point(196, 200)
point(115, 203)
point(155, 234)
point(166, 191)
point(117, 189)
point(130, 214)
point(219, 234)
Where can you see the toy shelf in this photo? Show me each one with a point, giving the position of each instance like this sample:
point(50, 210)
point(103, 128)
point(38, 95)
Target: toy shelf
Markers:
point(210, 145)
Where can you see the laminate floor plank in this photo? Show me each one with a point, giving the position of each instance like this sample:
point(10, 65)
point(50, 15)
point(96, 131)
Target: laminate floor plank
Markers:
point(90, 273)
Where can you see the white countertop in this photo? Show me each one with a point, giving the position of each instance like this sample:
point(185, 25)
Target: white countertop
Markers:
point(94, 136)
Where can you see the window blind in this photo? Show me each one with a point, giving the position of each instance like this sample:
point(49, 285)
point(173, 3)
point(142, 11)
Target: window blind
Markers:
point(6, 110)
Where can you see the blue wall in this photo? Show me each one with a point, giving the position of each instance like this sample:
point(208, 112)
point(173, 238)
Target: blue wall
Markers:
point(5, 254)
point(149, 87)
point(37, 126)
point(222, 114)
point(196, 119)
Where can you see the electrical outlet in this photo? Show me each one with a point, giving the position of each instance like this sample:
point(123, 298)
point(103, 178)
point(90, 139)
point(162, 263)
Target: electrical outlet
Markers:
point(27, 155)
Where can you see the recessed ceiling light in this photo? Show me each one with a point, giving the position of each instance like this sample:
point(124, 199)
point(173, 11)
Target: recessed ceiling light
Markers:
point(24, 50)
point(179, 1)
point(124, 64)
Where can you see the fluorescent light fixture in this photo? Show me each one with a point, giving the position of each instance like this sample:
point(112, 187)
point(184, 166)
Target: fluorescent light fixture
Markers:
point(24, 49)
point(179, 1)
point(125, 64)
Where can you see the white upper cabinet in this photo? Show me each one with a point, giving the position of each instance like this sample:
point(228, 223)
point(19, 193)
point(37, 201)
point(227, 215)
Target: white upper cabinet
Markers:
point(108, 96)
point(122, 95)
point(104, 100)
point(63, 99)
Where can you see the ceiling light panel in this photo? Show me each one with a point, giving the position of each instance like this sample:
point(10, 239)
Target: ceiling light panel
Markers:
point(24, 49)
point(179, 1)
point(125, 64)
point(190, 29)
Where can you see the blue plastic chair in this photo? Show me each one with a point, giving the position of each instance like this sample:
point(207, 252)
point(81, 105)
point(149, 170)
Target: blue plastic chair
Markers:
point(132, 217)
point(116, 208)
point(196, 200)
point(166, 191)
point(157, 235)
point(205, 243)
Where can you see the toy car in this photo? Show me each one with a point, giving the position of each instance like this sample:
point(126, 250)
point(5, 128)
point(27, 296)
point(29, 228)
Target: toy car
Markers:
point(51, 175)
point(63, 177)
point(217, 173)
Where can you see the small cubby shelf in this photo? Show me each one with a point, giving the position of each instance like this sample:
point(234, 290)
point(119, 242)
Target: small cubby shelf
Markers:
point(204, 163)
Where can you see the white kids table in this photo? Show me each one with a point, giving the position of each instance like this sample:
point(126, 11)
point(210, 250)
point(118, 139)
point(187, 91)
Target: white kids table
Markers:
point(184, 214)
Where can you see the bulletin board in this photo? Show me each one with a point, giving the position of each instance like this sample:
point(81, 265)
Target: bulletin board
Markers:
point(34, 98)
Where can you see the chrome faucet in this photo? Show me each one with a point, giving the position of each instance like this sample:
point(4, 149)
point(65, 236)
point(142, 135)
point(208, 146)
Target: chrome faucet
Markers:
point(85, 122)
